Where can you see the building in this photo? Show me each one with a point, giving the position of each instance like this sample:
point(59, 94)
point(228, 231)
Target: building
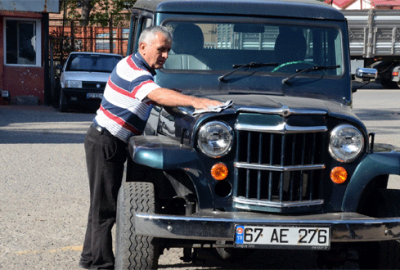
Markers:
point(24, 65)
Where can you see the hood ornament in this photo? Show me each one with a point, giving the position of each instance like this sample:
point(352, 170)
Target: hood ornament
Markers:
point(285, 111)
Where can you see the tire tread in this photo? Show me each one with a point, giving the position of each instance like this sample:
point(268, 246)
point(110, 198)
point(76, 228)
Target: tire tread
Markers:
point(141, 251)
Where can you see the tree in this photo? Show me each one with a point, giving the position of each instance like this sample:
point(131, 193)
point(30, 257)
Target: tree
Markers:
point(86, 8)
point(99, 11)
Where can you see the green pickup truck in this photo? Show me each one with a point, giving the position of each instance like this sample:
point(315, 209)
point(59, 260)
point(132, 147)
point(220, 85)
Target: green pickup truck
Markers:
point(286, 164)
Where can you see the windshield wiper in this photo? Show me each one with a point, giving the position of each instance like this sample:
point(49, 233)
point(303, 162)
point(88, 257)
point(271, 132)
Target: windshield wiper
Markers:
point(314, 68)
point(249, 65)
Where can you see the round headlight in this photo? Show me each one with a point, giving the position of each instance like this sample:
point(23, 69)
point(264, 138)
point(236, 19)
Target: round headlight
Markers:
point(346, 143)
point(215, 139)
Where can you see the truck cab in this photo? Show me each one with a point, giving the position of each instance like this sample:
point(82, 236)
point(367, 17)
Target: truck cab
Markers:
point(285, 164)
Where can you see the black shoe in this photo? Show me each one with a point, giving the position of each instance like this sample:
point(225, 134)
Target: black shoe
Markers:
point(84, 265)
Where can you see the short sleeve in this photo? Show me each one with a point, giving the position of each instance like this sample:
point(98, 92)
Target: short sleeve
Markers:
point(145, 88)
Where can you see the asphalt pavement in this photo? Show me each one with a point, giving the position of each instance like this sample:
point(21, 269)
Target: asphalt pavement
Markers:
point(44, 188)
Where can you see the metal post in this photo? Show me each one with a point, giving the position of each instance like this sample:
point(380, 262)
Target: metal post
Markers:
point(47, 93)
point(394, 31)
point(111, 35)
point(370, 33)
point(72, 37)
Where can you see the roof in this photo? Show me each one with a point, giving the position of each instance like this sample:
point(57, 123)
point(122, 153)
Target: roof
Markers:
point(263, 8)
point(340, 3)
point(375, 3)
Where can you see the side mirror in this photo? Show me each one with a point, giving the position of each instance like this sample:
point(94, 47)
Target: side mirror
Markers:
point(366, 74)
point(59, 66)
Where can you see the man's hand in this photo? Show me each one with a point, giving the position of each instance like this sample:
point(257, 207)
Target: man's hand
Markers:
point(204, 103)
point(168, 97)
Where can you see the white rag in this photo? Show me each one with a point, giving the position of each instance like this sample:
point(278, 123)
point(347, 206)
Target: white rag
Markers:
point(219, 108)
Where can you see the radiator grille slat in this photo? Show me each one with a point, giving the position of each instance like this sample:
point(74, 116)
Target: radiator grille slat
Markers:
point(259, 184)
point(271, 154)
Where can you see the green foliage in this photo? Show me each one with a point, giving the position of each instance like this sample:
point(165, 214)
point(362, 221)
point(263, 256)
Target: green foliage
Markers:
point(98, 11)
point(71, 8)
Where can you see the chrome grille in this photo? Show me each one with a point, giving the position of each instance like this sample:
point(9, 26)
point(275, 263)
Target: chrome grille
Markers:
point(278, 167)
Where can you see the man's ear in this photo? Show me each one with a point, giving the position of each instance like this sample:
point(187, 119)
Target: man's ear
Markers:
point(142, 46)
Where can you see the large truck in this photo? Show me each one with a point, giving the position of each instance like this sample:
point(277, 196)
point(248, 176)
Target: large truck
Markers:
point(374, 38)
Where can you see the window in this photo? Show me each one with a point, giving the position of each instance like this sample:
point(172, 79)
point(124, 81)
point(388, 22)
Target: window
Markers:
point(220, 46)
point(103, 41)
point(144, 23)
point(22, 42)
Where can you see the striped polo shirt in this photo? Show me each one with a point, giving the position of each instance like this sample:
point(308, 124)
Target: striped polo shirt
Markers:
point(125, 108)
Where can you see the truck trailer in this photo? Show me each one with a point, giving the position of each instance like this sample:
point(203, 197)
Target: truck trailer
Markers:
point(374, 39)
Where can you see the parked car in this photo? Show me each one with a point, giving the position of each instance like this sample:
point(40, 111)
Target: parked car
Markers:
point(84, 77)
point(288, 166)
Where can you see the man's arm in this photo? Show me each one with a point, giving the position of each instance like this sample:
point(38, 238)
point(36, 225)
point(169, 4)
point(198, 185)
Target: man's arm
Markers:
point(171, 98)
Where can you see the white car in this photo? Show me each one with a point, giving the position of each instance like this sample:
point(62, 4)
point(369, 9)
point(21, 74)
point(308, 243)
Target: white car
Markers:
point(84, 77)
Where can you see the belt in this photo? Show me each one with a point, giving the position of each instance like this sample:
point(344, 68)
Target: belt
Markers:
point(101, 129)
point(104, 131)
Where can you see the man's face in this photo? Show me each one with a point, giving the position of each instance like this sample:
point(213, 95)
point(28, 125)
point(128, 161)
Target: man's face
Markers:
point(155, 53)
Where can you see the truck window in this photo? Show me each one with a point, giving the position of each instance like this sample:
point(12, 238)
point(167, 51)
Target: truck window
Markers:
point(133, 33)
point(144, 23)
point(137, 26)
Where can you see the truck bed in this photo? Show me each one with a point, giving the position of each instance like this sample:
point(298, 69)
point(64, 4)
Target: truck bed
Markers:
point(373, 33)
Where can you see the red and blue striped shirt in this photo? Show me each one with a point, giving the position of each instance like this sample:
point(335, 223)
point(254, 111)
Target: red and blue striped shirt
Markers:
point(125, 107)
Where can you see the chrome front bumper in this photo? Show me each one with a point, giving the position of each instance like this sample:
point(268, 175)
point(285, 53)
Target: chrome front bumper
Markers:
point(211, 225)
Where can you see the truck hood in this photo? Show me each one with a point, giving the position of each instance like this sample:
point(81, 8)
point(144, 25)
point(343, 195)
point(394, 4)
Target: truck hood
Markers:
point(293, 104)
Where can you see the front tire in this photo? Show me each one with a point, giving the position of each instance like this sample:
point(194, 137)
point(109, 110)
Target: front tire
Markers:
point(135, 251)
point(383, 254)
point(63, 106)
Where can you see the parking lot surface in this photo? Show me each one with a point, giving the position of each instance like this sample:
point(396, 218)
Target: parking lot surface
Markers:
point(44, 190)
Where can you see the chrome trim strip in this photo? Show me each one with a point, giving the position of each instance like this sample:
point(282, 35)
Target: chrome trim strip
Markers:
point(242, 200)
point(283, 111)
point(282, 128)
point(211, 225)
point(278, 168)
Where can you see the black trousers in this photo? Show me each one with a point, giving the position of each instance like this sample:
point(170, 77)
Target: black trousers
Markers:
point(105, 158)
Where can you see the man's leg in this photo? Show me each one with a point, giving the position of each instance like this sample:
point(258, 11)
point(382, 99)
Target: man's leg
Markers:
point(86, 255)
point(105, 157)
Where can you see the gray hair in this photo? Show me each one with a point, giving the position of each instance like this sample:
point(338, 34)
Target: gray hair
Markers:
point(149, 33)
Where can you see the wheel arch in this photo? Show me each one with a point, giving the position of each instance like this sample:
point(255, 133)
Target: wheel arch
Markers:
point(163, 154)
point(170, 185)
point(370, 195)
point(372, 171)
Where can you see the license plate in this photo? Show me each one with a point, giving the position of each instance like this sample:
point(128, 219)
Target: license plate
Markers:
point(304, 237)
point(94, 95)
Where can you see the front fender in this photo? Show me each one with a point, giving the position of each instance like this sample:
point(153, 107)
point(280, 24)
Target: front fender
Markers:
point(164, 153)
point(371, 166)
point(161, 152)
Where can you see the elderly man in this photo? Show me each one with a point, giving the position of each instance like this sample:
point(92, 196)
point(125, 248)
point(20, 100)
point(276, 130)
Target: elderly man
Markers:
point(128, 99)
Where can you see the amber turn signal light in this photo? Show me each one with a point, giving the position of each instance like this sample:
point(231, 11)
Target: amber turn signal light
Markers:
point(219, 171)
point(338, 175)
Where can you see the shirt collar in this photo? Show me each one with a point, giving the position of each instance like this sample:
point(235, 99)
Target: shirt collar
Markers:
point(140, 57)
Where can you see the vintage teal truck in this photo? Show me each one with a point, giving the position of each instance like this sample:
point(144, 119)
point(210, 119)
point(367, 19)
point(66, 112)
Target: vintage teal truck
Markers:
point(287, 165)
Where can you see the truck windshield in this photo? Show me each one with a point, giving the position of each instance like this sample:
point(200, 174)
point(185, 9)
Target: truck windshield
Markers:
point(219, 46)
